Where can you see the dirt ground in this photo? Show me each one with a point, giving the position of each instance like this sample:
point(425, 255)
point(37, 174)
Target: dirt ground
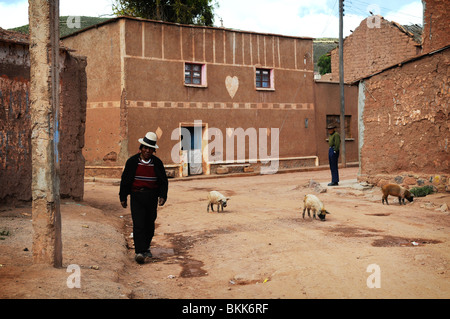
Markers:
point(259, 247)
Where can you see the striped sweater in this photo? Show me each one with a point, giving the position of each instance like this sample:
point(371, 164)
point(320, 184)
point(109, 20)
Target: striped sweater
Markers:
point(145, 175)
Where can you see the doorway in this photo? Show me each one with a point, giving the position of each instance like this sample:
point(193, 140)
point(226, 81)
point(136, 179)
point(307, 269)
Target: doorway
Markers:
point(192, 148)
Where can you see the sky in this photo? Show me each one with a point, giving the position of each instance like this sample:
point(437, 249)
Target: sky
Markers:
point(303, 18)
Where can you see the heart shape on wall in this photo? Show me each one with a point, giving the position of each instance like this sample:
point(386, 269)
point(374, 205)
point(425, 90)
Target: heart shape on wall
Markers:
point(232, 85)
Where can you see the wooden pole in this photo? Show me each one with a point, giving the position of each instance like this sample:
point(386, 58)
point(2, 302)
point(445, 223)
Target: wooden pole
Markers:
point(341, 80)
point(44, 101)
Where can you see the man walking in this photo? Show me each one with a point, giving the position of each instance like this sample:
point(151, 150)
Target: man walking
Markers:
point(144, 179)
point(333, 154)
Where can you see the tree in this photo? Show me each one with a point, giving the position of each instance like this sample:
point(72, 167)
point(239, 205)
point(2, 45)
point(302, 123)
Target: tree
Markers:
point(324, 64)
point(198, 12)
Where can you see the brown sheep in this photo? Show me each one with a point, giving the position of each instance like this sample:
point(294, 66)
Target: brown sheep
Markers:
point(397, 191)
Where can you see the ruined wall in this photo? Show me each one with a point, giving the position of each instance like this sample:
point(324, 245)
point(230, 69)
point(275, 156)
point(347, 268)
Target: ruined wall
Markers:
point(373, 46)
point(15, 123)
point(405, 124)
point(436, 24)
point(15, 130)
point(73, 120)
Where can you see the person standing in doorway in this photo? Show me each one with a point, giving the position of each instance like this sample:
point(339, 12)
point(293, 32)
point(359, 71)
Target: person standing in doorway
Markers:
point(144, 179)
point(334, 143)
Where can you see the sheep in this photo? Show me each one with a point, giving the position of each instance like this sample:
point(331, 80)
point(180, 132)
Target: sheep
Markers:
point(312, 202)
point(214, 197)
point(396, 190)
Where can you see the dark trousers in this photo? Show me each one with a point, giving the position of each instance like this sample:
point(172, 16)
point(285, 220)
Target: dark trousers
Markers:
point(333, 158)
point(144, 207)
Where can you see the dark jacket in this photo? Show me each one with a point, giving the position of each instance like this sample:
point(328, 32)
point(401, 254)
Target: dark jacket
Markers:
point(129, 173)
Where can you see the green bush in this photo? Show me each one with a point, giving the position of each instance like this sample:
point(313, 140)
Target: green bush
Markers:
point(422, 191)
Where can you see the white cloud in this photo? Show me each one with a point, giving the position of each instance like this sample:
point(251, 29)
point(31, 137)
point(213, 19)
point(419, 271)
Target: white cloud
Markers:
point(409, 14)
point(307, 18)
point(269, 16)
point(13, 14)
point(91, 8)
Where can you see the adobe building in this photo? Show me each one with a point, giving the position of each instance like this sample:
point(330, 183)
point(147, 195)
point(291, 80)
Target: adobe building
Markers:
point(404, 113)
point(214, 84)
point(15, 120)
point(374, 45)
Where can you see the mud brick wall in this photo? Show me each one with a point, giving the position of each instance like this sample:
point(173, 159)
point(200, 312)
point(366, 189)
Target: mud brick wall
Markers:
point(15, 124)
point(405, 121)
point(436, 24)
point(376, 44)
point(73, 101)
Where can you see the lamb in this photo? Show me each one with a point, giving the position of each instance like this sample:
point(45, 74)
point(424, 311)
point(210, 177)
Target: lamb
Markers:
point(314, 203)
point(396, 190)
point(214, 197)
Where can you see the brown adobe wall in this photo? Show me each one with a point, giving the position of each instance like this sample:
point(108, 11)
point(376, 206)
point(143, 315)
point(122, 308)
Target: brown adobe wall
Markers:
point(73, 119)
point(328, 102)
point(436, 24)
point(406, 121)
point(371, 48)
point(102, 47)
point(15, 124)
point(157, 97)
point(144, 64)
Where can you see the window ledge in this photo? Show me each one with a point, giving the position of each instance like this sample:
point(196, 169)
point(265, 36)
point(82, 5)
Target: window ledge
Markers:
point(199, 86)
point(265, 89)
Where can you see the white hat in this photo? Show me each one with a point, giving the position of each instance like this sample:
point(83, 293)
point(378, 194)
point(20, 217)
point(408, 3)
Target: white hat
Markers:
point(149, 140)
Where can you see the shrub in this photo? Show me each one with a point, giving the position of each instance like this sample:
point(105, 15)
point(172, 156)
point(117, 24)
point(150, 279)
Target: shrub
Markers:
point(422, 191)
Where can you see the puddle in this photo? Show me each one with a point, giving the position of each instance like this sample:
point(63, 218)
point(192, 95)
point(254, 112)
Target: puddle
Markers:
point(394, 241)
point(346, 231)
point(384, 241)
point(377, 214)
point(178, 253)
point(190, 267)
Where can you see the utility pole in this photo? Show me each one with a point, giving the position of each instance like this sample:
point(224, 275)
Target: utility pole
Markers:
point(44, 101)
point(341, 79)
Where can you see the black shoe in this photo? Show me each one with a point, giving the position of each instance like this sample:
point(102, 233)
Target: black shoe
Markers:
point(333, 184)
point(140, 258)
point(148, 254)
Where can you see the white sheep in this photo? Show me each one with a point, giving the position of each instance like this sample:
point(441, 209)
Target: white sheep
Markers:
point(314, 203)
point(214, 197)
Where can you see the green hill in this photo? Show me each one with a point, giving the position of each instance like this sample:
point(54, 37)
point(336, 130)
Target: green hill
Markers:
point(322, 46)
point(65, 23)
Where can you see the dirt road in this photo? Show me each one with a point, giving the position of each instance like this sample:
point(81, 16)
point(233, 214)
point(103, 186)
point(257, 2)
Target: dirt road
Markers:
point(259, 247)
